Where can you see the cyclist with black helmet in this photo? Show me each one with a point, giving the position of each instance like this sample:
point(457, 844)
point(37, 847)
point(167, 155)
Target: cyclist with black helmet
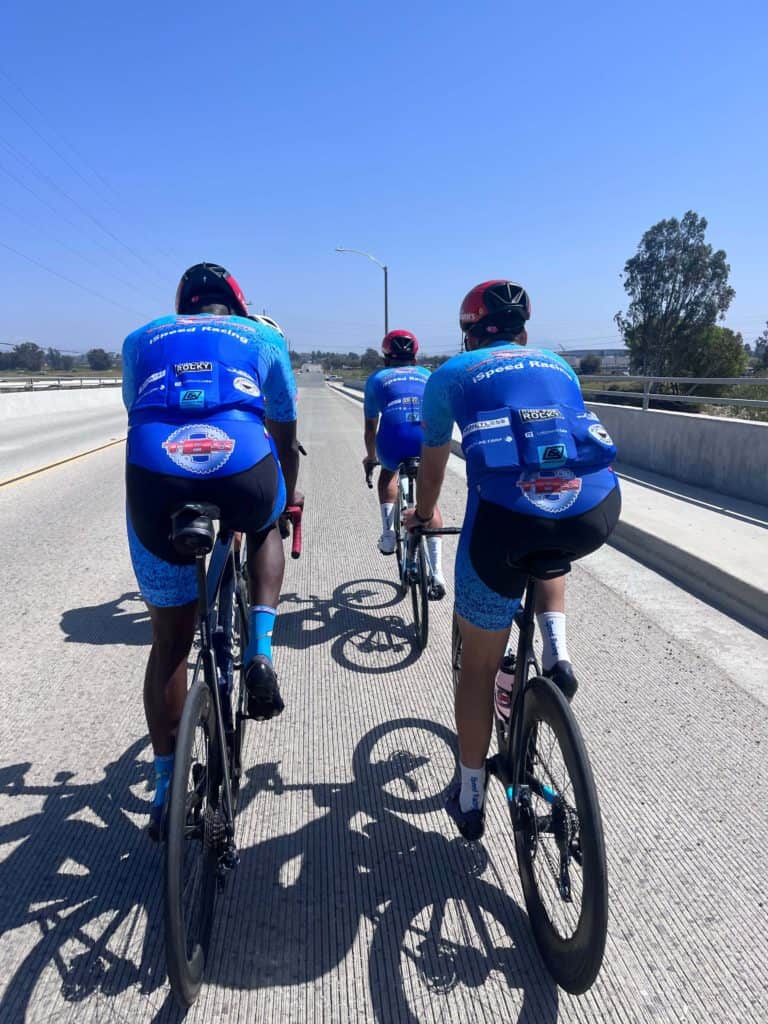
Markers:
point(539, 481)
point(392, 413)
point(211, 404)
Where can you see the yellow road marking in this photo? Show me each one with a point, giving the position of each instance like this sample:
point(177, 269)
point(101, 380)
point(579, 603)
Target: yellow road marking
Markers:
point(61, 462)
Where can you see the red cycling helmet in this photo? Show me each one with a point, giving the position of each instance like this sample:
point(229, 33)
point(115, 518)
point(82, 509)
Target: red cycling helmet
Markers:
point(203, 284)
point(494, 306)
point(400, 345)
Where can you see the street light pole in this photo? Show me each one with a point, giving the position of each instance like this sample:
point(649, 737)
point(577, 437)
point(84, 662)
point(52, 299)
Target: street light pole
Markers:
point(385, 268)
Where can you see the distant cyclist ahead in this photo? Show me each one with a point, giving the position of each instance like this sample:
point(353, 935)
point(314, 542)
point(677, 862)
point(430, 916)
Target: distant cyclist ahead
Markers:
point(211, 404)
point(395, 394)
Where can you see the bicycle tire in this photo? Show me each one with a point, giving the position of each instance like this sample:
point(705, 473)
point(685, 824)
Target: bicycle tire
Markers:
point(456, 649)
point(573, 960)
point(186, 950)
point(420, 596)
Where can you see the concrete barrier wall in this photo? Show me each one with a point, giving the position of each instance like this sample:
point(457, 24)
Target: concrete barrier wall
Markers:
point(41, 403)
point(725, 455)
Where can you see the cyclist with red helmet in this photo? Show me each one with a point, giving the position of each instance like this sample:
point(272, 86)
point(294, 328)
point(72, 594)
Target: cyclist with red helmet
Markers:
point(539, 483)
point(392, 412)
point(211, 403)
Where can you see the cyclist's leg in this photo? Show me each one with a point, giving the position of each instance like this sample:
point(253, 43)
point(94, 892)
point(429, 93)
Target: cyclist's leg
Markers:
point(435, 552)
point(170, 592)
point(388, 479)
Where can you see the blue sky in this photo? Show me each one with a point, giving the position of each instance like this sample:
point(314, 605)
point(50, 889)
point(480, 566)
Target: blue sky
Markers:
point(455, 142)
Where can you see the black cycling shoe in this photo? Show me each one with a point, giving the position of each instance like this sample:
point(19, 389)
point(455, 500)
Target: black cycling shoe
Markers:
point(264, 700)
point(436, 591)
point(562, 676)
point(471, 824)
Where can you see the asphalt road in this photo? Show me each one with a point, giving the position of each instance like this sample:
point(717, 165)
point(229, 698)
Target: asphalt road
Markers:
point(354, 899)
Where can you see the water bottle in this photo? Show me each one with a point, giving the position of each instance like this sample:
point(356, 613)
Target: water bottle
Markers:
point(502, 691)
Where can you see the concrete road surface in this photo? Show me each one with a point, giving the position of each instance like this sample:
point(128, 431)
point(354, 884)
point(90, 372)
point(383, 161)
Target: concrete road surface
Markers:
point(354, 899)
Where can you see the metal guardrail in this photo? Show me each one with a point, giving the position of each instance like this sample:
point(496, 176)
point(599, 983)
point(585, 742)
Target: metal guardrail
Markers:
point(648, 384)
point(13, 384)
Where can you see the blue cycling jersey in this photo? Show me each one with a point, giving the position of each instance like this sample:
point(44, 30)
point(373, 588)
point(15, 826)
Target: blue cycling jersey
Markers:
point(529, 442)
point(395, 393)
point(195, 387)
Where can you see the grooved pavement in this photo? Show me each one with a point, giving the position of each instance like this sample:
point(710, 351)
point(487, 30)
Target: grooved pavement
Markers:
point(353, 900)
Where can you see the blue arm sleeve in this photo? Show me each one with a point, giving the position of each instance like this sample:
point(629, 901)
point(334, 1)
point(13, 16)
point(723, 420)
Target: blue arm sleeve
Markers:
point(436, 409)
point(279, 383)
point(370, 399)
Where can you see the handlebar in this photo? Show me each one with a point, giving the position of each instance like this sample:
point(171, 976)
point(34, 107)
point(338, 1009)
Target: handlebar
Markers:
point(294, 513)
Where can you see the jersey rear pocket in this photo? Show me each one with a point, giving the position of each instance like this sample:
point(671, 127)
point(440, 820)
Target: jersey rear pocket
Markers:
point(489, 442)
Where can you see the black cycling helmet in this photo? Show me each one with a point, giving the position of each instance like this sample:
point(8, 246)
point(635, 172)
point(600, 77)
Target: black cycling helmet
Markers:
point(206, 284)
point(495, 309)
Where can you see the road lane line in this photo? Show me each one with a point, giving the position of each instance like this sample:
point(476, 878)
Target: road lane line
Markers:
point(61, 462)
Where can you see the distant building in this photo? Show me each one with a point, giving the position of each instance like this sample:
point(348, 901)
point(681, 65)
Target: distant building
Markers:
point(613, 360)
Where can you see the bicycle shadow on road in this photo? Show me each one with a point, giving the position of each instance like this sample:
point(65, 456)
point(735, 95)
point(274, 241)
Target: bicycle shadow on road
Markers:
point(122, 621)
point(441, 934)
point(358, 623)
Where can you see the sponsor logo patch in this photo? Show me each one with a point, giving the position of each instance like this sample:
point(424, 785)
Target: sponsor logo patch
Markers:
point(199, 448)
point(532, 415)
point(551, 455)
point(192, 398)
point(248, 387)
point(485, 425)
point(551, 490)
point(151, 380)
point(200, 366)
point(600, 434)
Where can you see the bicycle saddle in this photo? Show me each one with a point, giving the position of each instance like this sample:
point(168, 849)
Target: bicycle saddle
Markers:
point(192, 529)
point(409, 467)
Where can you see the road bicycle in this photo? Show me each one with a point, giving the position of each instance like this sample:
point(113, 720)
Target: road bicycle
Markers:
point(200, 849)
point(544, 767)
point(414, 569)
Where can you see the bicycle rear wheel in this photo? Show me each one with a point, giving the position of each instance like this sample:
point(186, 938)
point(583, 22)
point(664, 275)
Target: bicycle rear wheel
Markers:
point(239, 696)
point(191, 853)
point(420, 594)
point(559, 841)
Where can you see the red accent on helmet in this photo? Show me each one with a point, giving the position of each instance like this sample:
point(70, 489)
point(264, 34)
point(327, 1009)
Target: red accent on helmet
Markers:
point(206, 281)
point(400, 345)
point(492, 298)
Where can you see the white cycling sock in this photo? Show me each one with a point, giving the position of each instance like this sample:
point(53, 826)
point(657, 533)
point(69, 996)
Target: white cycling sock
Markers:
point(387, 516)
point(435, 551)
point(552, 629)
point(472, 788)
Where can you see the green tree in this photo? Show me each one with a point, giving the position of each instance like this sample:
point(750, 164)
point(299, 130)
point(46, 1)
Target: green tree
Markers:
point(760, 351)
point(678, 288)
point(98, 359)
point(714, 352)
point(29, 356)
point(590, 363)
point(370, 359)
point(67, 362)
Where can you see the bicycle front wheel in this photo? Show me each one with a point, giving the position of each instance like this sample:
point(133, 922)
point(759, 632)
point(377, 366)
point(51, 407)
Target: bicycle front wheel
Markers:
point(420, 595)
point(191, 853)
point(559, 841)
point(397, 526)
point(456, 646)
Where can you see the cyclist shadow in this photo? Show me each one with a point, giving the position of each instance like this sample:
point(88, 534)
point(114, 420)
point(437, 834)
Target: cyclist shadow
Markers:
point(358, 622)
point(122, 621)
point(81, 873)
point(363, 866)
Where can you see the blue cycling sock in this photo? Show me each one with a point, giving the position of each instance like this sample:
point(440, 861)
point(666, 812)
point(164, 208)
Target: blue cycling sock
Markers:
point(163, 774)
point(262, 624)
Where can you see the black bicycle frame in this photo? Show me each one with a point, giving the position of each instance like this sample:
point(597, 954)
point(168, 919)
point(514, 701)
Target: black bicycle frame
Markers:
point(212, 586)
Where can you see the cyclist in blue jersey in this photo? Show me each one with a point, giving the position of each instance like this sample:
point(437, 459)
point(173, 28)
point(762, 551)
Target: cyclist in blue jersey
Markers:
point(393, 433)
point(211, 403)
point(539, 482)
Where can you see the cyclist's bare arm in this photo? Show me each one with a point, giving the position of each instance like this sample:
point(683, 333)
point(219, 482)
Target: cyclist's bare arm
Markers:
point(284, 435)
point(369, 436)
point(430, 479)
